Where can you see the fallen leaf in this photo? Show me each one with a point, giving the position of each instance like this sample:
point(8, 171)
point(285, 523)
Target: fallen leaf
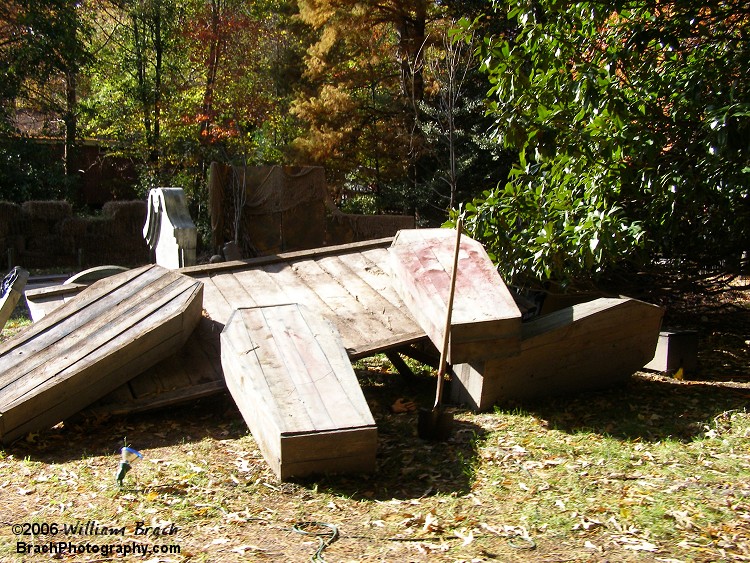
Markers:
point(431, 523)
point(466, 537)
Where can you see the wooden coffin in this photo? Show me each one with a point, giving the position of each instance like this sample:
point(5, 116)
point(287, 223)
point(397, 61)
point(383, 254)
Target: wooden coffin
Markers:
point(103, 337)
point(10, 292)
point(290, 376)
point(486, 323)
point(589, 346)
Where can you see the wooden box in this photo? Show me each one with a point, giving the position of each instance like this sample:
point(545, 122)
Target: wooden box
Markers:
point(485, 324)
point(293, 382)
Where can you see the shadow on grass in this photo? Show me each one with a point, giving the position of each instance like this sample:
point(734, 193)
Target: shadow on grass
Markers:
point(648, 408)
point(407, 466)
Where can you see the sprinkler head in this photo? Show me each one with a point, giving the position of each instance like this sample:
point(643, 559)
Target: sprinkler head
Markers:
point(128, 456)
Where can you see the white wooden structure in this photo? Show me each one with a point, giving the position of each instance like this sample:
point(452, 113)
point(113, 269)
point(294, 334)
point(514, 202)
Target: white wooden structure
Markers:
point(169, 230)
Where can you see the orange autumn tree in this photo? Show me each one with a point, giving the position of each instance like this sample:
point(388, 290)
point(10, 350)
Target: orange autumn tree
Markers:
point(365, 76)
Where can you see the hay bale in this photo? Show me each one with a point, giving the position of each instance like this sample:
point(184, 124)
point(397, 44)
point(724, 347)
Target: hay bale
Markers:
point(74, 227)
point(128, 217)
point(126, 211)
point(47, 210)
point(45, 245)
point(100, 227)
point(37, 228)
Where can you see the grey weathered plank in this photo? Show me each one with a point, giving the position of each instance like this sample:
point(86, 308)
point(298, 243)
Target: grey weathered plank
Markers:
point(393, 318)
point(218, 308)
point(288, 277)
point(44, 300)
point(263, 287)
point(93, 326)
point(342, 304)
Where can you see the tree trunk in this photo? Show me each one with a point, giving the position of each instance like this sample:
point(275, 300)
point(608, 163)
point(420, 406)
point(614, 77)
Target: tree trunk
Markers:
point(71, 120)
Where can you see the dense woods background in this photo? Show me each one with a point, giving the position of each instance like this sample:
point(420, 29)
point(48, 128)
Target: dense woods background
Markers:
point(576, 137)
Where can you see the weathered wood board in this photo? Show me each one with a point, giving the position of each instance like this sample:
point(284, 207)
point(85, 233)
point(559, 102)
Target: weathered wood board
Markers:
point(348, 285)
point(92, 344)
point(486, 322)
point(193, 372)
point(10, 292)
point(291, 378)
point(44, 300)
point(588, 346)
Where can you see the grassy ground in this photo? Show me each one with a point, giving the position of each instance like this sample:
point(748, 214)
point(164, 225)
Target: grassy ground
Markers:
point(658, 470)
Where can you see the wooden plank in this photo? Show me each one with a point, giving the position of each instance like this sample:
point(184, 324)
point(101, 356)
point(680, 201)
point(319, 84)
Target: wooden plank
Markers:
point(299, 292)
point(197, 363)
point(343, 451)
point(105, 336)
point(247, 361)
point(361, 270)
point(486, 321)
point(44, 300)
point(588, 346)
point(216, 305)
point(374, 267)
point(263, 287)
point(261, 261)
point(368, 349)
point(293, 382)
point(234, 292)
point(343, 306)
point(372, 301)
point(112, 405)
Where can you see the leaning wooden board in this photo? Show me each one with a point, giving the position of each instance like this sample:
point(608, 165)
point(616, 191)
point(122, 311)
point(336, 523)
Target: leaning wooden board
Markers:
point(105, 336)
point(10, 292)
point(486, 323)
point(293, 382)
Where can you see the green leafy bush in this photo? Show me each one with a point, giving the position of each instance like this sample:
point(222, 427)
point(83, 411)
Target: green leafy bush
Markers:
point(632, 127)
